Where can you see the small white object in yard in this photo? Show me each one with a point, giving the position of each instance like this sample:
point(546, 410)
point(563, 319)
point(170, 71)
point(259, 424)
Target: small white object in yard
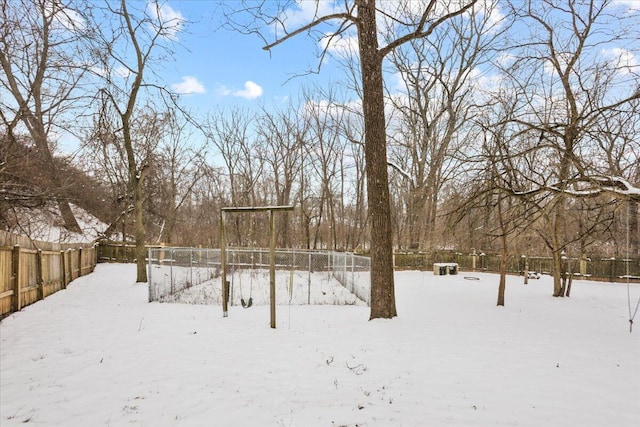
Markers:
point(534, 275)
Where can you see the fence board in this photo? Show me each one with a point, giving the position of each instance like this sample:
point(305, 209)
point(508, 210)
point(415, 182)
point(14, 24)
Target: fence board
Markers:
point(5, 269)
point(51, 272)
point(6, 285)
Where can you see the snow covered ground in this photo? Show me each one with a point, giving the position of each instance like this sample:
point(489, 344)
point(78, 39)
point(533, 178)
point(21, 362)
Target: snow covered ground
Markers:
point(98, 354)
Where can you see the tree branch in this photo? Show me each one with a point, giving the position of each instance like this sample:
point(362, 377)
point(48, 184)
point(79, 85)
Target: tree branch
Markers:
point(600, 185)
point(310, 25)
point(420, 32)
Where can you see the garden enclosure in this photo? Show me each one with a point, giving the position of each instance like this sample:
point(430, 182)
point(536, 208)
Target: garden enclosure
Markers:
point(302, 277)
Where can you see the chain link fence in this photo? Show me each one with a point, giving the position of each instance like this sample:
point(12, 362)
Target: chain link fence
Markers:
point(193, 275)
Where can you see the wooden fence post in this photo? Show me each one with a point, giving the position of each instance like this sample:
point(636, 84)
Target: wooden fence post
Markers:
point(63, 264)
point(69, 265)
point(94, 259)
point(473, 260)
point(16, 299)
point(80, 262)
point(39, 278)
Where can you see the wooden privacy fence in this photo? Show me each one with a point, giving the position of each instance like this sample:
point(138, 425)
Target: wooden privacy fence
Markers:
point(28, 275)
point(609, 269)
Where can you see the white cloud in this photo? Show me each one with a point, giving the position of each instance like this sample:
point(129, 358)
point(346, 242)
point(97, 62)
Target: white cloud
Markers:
point(119, 71)
point(342, 46)
point(505, 59)
point(484, 82)
point(412, 10)
point(99, 71)
point(621, 59)
point(496, 16)
point(188, 86)
point(251, 91)
point(631, 5)
point(65, 18)
point(169, 22)
point(122, 72)
point(305, 11)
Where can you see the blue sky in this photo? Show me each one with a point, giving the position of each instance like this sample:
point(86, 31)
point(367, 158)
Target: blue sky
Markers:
point(223, 68)
point(216, 68)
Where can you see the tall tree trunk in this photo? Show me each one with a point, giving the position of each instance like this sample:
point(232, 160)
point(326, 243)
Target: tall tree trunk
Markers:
point(383, 303)
point(416, 232)
point(316, 233)
point(68, 217)
point(503, 275)
point(136, 180)
point(559, 217)
point(557, 274)
point(505, 253)
point(139, 232)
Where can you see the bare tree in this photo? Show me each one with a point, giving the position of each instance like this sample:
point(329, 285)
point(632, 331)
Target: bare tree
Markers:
point(282, 137)
point(177, 167)
point(617, 138)
point(325, 148)
point(231, 133)
point(203, 224)
point(355, 217)
point(107, 161)
point(434, 111)
point(44, 62)
point(565, 85)
point(408, 25)
point(502, 167)
point(126, 82)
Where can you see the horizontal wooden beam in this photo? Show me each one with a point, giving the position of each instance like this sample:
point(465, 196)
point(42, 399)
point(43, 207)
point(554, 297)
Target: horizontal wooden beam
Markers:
point(256, 208)
point(6, 294)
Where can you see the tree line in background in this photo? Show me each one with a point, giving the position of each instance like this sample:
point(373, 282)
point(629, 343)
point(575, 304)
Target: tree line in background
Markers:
point(511, 127)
